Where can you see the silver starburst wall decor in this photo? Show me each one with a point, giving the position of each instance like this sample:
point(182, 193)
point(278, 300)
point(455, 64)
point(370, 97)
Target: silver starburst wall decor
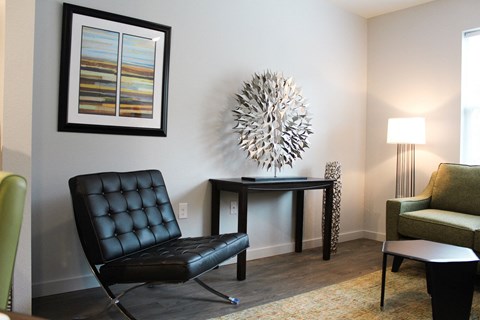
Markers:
point(272, 120)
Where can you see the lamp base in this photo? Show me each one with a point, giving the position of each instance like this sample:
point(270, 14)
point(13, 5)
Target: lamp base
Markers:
point(405, 180)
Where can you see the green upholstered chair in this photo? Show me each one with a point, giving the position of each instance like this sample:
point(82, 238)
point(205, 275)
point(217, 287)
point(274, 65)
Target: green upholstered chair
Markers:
point(12, 200)
point(447, 211)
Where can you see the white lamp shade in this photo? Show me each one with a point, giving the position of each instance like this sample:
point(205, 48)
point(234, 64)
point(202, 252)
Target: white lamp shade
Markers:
point(406, 130)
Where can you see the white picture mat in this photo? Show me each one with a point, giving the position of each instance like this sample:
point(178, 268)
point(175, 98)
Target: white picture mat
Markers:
point(78, 22)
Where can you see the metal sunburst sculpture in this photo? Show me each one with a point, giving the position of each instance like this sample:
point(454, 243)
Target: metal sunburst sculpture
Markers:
point(272, 120)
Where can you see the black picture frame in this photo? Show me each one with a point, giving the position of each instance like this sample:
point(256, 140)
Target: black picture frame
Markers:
point(113, 74)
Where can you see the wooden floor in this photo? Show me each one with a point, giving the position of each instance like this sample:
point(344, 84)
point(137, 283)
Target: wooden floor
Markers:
point(268, 279)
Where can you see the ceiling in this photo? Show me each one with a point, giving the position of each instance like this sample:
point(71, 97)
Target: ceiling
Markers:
point(372, 8)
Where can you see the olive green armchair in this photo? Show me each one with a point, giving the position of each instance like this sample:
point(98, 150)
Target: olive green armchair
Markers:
point(447, 211)
point(12, 200)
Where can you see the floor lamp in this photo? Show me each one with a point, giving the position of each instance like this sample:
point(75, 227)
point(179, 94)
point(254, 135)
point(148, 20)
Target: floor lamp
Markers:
point(405, 133)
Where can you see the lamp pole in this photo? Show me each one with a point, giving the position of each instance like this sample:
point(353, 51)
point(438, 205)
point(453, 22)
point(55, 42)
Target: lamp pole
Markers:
point(405, 179)
point(405, 133)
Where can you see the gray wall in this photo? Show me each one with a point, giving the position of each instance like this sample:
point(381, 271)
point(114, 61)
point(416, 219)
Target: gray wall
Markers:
point(216, 45)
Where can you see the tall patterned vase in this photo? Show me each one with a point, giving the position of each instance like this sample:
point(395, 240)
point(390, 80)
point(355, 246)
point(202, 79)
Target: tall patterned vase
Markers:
point(333, 170)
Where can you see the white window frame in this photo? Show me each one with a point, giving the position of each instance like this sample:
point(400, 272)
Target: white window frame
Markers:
point(470, 98)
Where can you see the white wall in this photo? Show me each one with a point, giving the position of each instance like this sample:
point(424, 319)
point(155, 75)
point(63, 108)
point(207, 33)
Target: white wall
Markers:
point(216, 45)
point(414, 69)
point(16, 125)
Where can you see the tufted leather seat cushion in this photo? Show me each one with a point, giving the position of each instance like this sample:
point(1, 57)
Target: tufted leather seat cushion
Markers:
point(177, 260)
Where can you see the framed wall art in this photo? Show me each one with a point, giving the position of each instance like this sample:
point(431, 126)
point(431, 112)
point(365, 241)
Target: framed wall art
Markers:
point(113, 74)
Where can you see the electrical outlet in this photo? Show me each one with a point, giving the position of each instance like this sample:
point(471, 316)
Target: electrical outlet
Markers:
point(233, 207)
point(183, 210)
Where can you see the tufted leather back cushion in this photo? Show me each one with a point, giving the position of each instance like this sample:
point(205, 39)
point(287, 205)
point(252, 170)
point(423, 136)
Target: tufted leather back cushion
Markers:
point(121, 213)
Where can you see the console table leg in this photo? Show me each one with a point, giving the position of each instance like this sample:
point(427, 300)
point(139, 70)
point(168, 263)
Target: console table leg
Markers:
point(299, 199)
point(242, 266)
point(242, 227)
point(215, 222)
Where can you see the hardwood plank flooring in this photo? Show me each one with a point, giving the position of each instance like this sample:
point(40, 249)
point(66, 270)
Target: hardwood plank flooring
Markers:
point(268, 279)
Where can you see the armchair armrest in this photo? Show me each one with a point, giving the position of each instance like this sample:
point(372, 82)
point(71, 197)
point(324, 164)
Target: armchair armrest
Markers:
point(399, 205)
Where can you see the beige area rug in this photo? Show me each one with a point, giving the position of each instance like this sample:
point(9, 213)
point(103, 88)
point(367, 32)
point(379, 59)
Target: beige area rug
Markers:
point(405, 298)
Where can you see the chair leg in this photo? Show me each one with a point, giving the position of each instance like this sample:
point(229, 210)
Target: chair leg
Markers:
point(397, 261)
point(114, 301)
point(232, 300)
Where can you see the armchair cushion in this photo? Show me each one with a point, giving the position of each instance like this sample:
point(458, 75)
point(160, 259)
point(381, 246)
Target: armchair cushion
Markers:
point(456, 188)
point(438, 225)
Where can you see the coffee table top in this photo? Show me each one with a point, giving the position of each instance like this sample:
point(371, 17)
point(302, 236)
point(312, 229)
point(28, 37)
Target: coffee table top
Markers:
point(429, 251)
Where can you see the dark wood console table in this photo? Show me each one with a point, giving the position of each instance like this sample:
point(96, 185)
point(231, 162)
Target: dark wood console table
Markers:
point(244, 187)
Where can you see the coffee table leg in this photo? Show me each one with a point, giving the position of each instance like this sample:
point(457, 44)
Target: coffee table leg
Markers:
point(384, 269)
point(451, 287)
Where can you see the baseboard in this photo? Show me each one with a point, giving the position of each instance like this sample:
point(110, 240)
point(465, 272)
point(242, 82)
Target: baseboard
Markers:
point(375, 236)
point(258, 253)
point(64, 285)
point(89, 281)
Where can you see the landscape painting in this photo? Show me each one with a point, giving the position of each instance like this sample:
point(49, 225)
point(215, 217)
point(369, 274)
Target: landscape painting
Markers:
point(113, 74)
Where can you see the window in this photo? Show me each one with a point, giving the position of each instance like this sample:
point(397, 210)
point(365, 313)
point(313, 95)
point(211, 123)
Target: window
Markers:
point(470, 136)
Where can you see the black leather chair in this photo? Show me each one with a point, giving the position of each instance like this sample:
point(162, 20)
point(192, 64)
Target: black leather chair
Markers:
point(129, 234)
